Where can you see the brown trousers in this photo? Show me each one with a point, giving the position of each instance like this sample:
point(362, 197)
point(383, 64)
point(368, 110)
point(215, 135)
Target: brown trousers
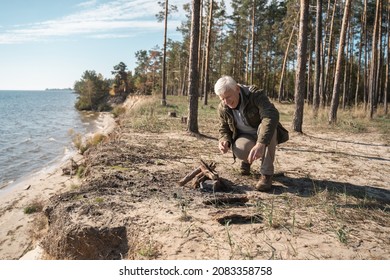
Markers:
point(246, 142)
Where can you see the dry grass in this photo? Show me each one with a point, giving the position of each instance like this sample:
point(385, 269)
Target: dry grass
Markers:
point(82, 144)
point(38, 227)
point(354, 120)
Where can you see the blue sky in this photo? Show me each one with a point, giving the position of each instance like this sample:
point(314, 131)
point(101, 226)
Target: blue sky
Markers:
point(49, 44)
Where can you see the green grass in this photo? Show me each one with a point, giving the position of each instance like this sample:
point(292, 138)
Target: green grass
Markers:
point(149, 249)
point(120, 168)
point(99, 200)
point(342, 235)
point(34, 207)
point(80, 171)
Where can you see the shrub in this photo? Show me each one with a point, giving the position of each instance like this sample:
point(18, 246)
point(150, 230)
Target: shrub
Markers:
point(34, 207)
point(95, 139)
point(80, 171)
point(83, 145)
point(118, 110)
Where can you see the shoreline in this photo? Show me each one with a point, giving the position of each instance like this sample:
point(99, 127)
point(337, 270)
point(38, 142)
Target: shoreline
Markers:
point(16, 241)
point(103, 124)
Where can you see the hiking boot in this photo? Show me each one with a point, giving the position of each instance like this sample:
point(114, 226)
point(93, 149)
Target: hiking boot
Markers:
point(245, 168)
point(264, 184)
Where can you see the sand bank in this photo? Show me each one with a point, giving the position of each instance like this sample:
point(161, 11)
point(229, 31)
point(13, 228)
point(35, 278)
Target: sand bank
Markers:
point(16, 235)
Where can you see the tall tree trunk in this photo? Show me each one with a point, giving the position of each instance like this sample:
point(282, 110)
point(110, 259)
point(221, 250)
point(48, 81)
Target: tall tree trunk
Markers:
point(193, 83)
point(164, 74)
point(267, 70)
point(207, 55)
point(221, 48)
point(281, 84)
point(201, 50)
point(200, 39)
point(309, 74)
point(236, 65)
point(374, 60)
point(351, 63)
point(253, 41)
point(301, 66)
point(378, 85)
point(335, 95)
point(344, 99)
point(388, 60)
point(359, 63)
point(317, 63)
point(365, 82)
point(329, 56)
point(323, 51)
point(240, 56)
point(247, 53)
point(184, 79)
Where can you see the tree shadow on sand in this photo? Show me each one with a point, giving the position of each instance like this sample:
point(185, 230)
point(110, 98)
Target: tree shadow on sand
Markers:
point(345, 141)
point(307, 187)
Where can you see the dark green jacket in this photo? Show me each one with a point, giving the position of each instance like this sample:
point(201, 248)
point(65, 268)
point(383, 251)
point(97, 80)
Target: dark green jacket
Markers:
point(257, 109)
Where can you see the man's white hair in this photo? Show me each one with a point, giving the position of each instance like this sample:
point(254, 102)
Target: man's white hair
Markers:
point(224, 84)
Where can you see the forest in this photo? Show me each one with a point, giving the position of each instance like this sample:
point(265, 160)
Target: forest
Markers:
point(331, 55)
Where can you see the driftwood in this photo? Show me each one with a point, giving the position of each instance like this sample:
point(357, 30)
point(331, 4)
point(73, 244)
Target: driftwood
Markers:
point(203, 172)
point(190, 176)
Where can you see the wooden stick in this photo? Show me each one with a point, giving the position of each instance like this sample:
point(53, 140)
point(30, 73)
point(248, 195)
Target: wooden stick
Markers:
point(208, 171)
point(198, 179)
point(201, 173)
point(189, 176)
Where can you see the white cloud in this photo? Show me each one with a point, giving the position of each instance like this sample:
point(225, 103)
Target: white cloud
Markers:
point(87, 4)
point(92, 20)
point(112, 36)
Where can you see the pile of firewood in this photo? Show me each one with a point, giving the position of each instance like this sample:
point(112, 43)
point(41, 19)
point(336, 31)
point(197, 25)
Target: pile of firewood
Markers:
point(204, 172)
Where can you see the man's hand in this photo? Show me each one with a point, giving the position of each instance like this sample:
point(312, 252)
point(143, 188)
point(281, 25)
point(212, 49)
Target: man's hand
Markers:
point(224, 146)
point(257, 152)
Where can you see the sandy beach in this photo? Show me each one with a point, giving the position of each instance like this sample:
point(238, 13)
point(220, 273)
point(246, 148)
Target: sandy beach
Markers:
point(16, 228)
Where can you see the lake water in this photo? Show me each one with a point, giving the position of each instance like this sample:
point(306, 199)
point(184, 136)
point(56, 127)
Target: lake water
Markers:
point(36, 129)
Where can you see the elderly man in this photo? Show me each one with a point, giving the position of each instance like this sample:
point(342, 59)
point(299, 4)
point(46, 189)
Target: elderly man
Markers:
point(248, 125)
